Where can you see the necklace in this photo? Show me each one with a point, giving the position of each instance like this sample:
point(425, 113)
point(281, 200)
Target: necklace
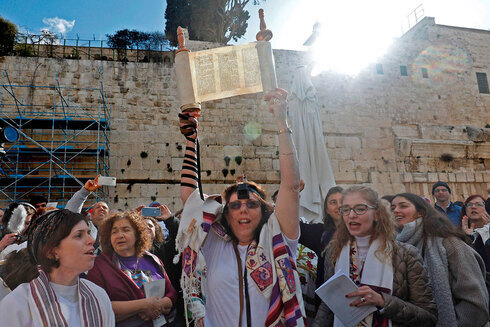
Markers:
point(131, 270)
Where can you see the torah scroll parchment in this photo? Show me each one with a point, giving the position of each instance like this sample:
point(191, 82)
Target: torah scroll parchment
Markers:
point(225, 72)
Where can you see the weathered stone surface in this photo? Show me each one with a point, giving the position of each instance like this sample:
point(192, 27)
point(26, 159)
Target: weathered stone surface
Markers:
point(394, 133)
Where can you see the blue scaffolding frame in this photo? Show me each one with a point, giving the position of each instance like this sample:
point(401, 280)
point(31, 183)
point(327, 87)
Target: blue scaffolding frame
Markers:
point(61, 144)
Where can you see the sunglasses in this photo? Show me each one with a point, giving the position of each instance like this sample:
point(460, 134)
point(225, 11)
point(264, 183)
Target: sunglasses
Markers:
point(251, 204)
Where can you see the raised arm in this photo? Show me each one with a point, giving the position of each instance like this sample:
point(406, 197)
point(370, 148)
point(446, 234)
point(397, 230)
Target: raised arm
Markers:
point(188, 177)
point(75, 204)
point(287, 203)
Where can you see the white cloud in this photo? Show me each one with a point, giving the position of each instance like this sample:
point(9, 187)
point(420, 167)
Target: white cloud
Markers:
point(58, 25)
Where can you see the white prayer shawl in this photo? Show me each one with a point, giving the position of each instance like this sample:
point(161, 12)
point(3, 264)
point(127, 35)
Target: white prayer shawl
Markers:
point(314, 164)
point(375, 272)
point(193, 228)
point(36, 304)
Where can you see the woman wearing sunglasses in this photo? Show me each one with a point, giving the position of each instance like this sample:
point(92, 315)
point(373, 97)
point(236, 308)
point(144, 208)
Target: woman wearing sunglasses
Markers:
point(390, 275)
point(456, 271)
point(249, 246)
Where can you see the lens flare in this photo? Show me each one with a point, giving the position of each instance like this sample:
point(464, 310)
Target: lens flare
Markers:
point(252, 130)
point(443, 64)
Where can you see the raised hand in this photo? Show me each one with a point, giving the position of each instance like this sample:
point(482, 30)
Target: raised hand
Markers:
point(188, 126)
point(91, 185)
point(166, 213)
point(485, 216)
point(138, 209)
point(278, 106)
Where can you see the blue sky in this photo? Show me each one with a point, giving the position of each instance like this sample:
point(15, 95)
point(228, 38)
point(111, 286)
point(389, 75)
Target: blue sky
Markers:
point(91, 17)
point(367, 25)
point(290, 20)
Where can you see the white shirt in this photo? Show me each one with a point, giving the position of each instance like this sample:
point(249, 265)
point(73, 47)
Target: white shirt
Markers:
point(222, 284)
point(15, 310)
point(362, 247)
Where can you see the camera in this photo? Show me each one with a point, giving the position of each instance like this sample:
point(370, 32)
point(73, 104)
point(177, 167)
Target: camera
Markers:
point(243, 191)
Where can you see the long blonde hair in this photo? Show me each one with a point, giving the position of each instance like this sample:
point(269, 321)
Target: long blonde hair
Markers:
point(384, 229)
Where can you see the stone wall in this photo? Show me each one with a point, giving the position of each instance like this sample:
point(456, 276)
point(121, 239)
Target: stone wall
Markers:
point(394, 133)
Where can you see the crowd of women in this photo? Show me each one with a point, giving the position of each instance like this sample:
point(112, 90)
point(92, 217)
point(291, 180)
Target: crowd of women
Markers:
point(238, 257)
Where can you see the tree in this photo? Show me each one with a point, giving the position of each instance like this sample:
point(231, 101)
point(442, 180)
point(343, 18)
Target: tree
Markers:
point(177, 14)
point(207, 20)
point(8, 32)
point(126, 39)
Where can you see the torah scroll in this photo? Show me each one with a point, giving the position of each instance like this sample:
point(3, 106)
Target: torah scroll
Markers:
point(225, 72)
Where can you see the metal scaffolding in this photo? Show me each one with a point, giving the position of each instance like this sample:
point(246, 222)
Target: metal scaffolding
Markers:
point(63, 140)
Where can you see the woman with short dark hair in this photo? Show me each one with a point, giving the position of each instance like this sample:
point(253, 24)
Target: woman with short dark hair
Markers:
point(456, 271)
point(60, 243)
point(473, 214)
point(125, 266)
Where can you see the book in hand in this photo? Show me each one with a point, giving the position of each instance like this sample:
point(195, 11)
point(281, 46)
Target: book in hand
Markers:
point(156, 288)
point(333, 292)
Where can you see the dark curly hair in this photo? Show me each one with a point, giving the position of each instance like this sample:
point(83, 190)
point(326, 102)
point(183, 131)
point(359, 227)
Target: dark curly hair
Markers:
point(143, 241)
point(266, 208)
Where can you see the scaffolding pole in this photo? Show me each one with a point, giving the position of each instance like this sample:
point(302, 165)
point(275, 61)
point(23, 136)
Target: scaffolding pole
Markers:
point(61, 144)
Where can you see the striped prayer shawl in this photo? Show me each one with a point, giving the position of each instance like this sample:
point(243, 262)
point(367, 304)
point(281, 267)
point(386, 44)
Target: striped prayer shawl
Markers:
point(284, 307)
point(270, 264)
point(49, 309)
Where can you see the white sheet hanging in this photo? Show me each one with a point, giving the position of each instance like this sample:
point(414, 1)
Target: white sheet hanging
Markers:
point(314, 165)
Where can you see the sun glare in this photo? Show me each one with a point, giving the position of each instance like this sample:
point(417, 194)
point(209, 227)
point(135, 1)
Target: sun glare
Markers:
point(353, 34)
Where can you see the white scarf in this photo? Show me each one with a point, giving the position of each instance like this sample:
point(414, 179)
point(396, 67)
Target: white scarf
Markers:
point(375, 272)
point(45, 307)
point(484, 232)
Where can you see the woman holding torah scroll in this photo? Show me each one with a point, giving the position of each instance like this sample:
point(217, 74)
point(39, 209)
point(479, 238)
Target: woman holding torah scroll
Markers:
point(390, 275)
point(249, 246)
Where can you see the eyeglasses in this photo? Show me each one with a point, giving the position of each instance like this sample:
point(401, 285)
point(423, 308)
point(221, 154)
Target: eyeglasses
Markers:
point(251, 204)
point(476, 204)
point(358, 209)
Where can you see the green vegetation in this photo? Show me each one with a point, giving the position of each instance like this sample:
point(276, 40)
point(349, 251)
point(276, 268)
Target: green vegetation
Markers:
point(8, 32)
